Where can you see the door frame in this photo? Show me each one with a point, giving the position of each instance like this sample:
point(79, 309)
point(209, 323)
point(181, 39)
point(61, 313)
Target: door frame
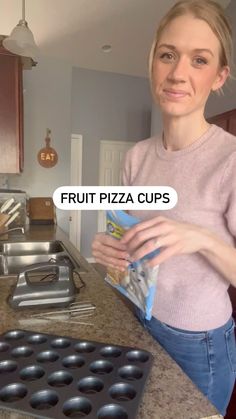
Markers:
point(76, 161)
point(100, 217)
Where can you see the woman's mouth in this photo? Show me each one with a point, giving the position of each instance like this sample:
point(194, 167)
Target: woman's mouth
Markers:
point(177, 94)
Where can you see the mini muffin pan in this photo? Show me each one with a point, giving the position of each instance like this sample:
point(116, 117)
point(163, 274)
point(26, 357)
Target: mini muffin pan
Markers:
point(51, 376)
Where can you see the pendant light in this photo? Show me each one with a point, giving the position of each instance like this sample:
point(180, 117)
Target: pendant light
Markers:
point(21, 40)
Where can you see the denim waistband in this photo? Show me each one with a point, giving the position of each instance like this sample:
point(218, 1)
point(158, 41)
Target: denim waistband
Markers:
point(223, 328)
point(220, 329)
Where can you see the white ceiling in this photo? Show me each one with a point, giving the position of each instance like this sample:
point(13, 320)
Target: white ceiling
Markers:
point(75, 30)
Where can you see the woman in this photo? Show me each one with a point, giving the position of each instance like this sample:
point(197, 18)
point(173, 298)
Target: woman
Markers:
point(192, 314)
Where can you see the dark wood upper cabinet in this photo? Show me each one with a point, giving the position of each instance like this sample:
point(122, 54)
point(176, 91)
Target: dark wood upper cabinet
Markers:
point(226, 120)
point(11, 113)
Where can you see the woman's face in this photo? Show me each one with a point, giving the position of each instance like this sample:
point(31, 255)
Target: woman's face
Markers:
point(186, 66)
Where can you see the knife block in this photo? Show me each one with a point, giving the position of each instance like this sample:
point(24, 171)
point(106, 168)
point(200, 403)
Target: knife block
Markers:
point(3, 220)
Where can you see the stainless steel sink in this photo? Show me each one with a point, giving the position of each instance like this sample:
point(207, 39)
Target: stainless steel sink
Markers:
point(31, 248)
point(17, 255)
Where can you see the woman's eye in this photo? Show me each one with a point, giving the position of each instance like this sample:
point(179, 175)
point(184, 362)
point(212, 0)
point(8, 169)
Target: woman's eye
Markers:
point(199, 61)
point(166, 56)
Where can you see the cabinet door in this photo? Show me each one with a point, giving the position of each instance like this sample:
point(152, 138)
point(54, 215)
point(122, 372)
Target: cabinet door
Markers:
point(232, 124)
point(226, 120)
point(232, 294)
point(11, 114)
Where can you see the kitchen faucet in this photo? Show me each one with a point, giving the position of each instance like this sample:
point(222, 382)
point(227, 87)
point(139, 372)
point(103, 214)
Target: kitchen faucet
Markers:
point(21, 229)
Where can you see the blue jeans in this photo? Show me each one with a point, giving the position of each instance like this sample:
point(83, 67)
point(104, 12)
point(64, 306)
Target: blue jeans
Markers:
point(208, 358)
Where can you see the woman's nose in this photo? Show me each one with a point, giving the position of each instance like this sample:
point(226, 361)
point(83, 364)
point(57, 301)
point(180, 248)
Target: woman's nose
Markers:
point(178, 71)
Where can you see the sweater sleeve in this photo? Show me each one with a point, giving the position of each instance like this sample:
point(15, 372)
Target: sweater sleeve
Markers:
point(228, 194)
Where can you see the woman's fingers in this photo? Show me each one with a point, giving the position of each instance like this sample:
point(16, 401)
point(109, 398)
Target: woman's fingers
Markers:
point(109, 251)
point(106, 240)
point(153, 244)
point(120, 264)
point(148, 237)
point(106, 250)
point(139, 230)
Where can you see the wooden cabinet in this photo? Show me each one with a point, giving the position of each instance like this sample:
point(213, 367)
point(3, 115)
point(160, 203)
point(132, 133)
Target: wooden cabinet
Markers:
point(11, 113)
point(226, 120)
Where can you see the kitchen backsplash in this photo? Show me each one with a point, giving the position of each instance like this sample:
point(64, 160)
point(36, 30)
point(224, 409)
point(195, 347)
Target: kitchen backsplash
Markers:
point(3, 181)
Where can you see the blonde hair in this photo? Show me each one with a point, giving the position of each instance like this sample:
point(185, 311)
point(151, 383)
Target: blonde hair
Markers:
point(207, 10)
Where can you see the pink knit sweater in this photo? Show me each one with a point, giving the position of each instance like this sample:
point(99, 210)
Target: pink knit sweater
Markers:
point(190, 293)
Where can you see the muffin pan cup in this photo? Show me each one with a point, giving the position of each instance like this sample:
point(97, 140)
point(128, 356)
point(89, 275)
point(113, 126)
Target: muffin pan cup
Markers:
point(52, 376)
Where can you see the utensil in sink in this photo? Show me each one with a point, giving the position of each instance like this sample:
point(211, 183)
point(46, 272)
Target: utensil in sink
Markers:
point(13, 209)
point(12, 218)
point(7, 205)
point(60, 292)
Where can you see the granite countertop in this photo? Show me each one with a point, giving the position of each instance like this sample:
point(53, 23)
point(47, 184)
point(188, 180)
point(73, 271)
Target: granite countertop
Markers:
point(169, 393)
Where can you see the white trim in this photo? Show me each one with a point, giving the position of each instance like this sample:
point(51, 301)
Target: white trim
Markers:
point(76, 169)
point(91, 260)
point(76, 180)
point(101, 223)
point(118, 142)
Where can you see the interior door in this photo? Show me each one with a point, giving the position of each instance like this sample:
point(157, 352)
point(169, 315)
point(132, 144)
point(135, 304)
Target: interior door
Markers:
point(110, 168)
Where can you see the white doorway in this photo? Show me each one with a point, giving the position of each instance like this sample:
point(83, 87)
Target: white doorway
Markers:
point(110, 168)
point(76, 180)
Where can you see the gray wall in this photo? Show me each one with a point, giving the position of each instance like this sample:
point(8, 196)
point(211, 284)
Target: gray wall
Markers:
point(47, 104)
point(106, 106)
point(216, 104)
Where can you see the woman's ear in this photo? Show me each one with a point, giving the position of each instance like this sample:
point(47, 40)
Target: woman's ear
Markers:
point(221, 78)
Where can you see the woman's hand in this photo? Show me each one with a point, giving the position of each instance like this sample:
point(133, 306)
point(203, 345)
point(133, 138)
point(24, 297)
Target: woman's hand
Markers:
point(174, 238)
point(109, 251)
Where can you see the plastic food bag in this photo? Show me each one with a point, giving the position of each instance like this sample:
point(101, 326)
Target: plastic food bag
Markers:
point(138, 282)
